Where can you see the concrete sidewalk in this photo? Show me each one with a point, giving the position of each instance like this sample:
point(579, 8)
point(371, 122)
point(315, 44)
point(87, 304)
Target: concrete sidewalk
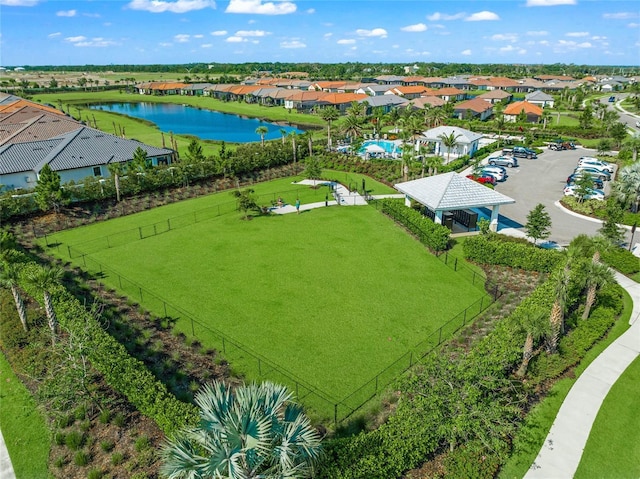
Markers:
point(562, 450)
point(6, 468)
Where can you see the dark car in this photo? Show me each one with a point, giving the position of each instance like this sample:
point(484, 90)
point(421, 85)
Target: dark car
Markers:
point(597, 182)
point(520, 152)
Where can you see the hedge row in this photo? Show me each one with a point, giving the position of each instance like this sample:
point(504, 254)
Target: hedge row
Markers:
point(622, 260)
point(123, 373)
point(488, 249)
point(432, 235)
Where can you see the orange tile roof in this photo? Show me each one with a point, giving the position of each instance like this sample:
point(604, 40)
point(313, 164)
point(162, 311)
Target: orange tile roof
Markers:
point(20, 104)
point(340, 98)
point(476, 104)
point(329, 84)
point(555, 77)
point(517, 107)
point(427, 100)
point(404, 90)
point(304, 95)
point(502, 82)
point(448, 91)
point(244, 89)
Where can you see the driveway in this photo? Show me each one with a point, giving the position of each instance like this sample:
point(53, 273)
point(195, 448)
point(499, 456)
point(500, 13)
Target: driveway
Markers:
point(542, 181)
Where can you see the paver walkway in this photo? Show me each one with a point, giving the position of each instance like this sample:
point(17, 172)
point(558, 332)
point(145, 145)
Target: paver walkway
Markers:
point(562, 450)
point(6, 469)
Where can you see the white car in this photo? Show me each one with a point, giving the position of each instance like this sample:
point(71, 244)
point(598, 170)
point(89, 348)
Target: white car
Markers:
point(599, 165)
point(591, 194)
point(498, 172)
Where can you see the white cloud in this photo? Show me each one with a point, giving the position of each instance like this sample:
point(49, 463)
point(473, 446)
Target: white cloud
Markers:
point(292, 44)
point(466, 52)
point(311, 11)
point(508, 48)
point(53, 35)
point(199, 35)
point(418, 27)
point(181, 38)
point(572, 45)
point(256, 7)
point(482, 16)
point(505, 37)
point(92, 15)
point(437, 16)
point(66, 13)
point(621, 15)
point(577, 34)
point(376, 32)
point(598, 37)
point(206, 45)
point(19, 3)
point(346, 41)
point(97, 42)
point(79, 38)
point(178, 6)
point(327, 35)
point(165, 44)
point(235, 39)
point(545, 43)
point(539, 33)
point(550, 3)
point(252, 33)
point(219, 33)
point(633, 25)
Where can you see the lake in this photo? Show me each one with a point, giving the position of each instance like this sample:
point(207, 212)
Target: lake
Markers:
point(205, 124)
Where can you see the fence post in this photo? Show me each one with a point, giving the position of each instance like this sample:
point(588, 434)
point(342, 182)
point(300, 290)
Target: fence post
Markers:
point(335, 415)
point(155, 232)
point(224, 346)
point(120, 281)
point(168, 224)
point(495, 293)
point(481, 301)
point(140, 289)
point(455, 265)
point(108, 242)
point(165, 308)
point(46, 240)
point(464, 317)
point(440, 335)
point(84, 260)
point(410, 358)
point(193, 331)
point(259, 367)
point(69, 251)
point(195, 218)
point(140, 231)
point(376, 384)
point(446, 258)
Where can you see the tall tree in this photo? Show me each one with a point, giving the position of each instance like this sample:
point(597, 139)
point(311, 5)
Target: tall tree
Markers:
point(43, 280)
point(613, 217)
point(536, 325)
point(556, 319)
point(626, 187)
point(256, 431)
point(538, 224)
point(449, 141)
point(329, 114)
point(597, 275)
point(262, 131)
point(246, 201)
point(116, 170)
point(49, 193)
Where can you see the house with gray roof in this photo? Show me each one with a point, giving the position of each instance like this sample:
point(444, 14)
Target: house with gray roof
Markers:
point(540, 98)
point(74, 155)
point(373, 89)
point(194, 89)
point(386, 102)
point(467, 142)
point(449, 192)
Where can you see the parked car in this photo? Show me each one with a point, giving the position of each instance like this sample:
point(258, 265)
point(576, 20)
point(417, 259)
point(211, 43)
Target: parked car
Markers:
point(597, 182)
point(590, 193)
point(498, 172)
point(561, 144)
point(589, 162)
point(484, 179)
point(520, 152)
point(612, 99)
point(603, 175)
point(508, 161)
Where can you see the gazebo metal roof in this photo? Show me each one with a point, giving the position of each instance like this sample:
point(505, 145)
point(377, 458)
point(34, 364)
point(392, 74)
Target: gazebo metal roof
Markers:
point(451, 191)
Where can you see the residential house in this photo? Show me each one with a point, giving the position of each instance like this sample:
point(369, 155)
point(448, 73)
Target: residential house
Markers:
point(46, 125)
point(328, 86)
point(220, 91)
point(496, 96)
point(303, 101)
point(73, 155)
point(540, 98)
point(448, 94)
point(373, 89)
point(389, 80)
point(342, 101)
point(160, 88)
point(533, 112)
point(460, 83)
point(476, 108)
point(467, 142)
point(426, 102)
point(408, 92)
point(194, 89)
point(386, 102)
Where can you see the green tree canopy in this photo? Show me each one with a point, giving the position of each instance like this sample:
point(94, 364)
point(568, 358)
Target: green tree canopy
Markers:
point(538, 223)
point(49, 193)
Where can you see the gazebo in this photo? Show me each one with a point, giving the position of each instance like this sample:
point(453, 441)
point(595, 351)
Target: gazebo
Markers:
point(451, 192)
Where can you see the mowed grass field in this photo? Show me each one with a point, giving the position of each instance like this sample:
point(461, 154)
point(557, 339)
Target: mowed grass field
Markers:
point(332, 295)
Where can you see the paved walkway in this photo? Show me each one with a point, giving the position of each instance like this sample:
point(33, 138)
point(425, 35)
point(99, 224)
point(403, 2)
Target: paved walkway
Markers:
point(562, 450)
point(6, 469)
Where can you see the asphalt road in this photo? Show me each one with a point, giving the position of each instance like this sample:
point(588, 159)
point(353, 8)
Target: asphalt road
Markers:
point(542, 181)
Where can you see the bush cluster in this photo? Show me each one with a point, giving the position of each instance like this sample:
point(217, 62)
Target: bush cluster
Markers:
point(622, 260)
point(489, 249)
point(122, 372)
point(432, 235)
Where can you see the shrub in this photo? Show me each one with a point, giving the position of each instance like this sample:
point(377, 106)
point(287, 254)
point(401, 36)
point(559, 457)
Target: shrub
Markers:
point(106, 446)
point(432, 235)
point(142, 443)
point(105, 416)
point(74, 440)
point(117, 458)
point(95, 474)
point(622, 260)
point(119, 419)
point(59, 438)
point(81, 459)
point(60, 462)
point(492, 249)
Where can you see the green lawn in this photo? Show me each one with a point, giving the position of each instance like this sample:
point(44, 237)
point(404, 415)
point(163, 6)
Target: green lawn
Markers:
point(23, 428)
point(536, 425)
point(333, 295)
point(615, 432)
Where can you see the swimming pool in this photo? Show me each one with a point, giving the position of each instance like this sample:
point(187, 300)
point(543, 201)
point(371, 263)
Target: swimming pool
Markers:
point(390, 147)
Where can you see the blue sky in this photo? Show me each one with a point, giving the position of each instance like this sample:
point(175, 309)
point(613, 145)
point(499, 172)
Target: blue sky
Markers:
point(52, 32)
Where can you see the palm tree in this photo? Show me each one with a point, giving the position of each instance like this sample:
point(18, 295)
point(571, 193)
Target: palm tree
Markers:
point(556, 319)
point(9, 276)
point(449, 141)
point(329, 114)
point(256, 431)
point(598, 275)
point(536, 325)
point(262, 130)
point(283, 133)
point(634, 145)
point(434, 116)
point(352, 126)
point(293, 136)
point(43, 280)
point(626, 188)
point(116, 170)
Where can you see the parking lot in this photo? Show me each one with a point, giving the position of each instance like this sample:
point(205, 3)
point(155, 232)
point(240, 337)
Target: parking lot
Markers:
point(542, 181)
